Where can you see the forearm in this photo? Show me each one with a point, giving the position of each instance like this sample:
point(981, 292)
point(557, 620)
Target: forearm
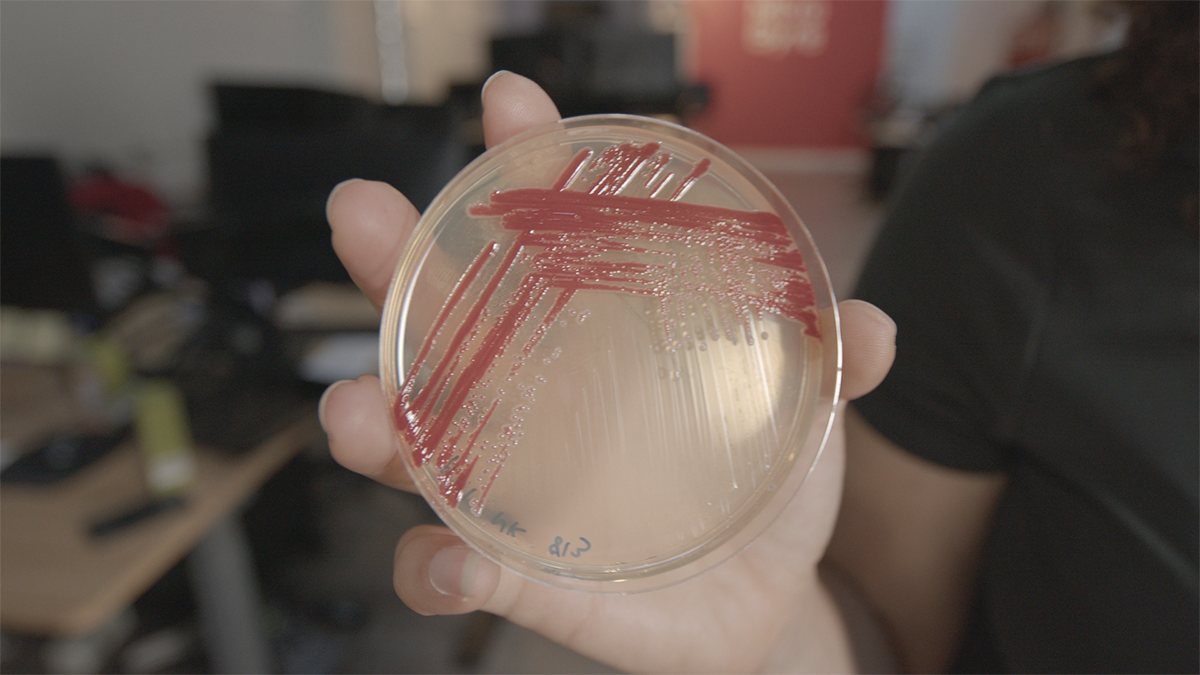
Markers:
point(909, 535)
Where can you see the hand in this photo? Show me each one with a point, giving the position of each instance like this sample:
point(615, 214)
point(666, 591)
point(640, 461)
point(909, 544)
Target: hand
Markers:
point(728, 619)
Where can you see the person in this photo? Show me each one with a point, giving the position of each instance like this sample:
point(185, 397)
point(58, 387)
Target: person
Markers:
point(1019, 493)
point(727, 619)
point(1041, 262)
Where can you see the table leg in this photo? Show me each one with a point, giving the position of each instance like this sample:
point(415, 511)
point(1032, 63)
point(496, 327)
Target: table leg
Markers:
point(228, 600)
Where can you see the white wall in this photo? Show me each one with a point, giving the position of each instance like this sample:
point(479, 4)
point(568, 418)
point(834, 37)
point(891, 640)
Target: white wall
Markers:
point(918, 45)
point(446, 43)
point(941, 52)
point(125, 81)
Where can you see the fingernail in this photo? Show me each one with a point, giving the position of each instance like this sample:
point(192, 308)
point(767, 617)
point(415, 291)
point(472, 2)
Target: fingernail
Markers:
point(333, 193)
point(453, 569)
point(498, 73)
point(878, 315)
point(324, 398)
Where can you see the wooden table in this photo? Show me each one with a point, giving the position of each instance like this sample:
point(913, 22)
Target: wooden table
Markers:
point(57, 580)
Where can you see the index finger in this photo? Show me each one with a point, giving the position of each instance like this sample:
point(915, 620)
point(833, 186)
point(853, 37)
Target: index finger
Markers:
point(372, 221)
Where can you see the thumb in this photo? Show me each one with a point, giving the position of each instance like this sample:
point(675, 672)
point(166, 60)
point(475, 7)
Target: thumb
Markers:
point(512, 104)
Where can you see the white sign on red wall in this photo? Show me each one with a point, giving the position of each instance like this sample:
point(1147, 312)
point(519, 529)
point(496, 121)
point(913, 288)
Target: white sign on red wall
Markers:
point(787, 73)
point(774, 28)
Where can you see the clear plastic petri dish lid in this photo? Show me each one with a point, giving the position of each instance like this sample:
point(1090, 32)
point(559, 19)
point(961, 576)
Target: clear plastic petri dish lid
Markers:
point(611, 353)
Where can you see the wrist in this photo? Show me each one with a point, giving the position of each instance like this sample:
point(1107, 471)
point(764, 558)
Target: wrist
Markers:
point(832, 630)
point(813, 639)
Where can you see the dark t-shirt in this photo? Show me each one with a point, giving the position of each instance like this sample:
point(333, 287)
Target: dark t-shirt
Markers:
point(1047, 304)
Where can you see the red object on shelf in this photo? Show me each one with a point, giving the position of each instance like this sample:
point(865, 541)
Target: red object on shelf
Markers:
point(134, 211)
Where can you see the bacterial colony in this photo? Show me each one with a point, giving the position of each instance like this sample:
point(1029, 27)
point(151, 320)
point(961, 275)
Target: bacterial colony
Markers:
point(613, 237)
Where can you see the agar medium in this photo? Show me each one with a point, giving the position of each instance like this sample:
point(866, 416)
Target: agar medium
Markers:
point(611, 353)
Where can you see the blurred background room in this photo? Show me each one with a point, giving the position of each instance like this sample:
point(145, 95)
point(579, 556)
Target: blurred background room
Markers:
point(172, 308)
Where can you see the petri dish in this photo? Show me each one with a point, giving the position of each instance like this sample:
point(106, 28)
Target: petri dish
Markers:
point(611, 353)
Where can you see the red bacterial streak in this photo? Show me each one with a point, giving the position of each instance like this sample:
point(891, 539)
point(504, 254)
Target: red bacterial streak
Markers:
point(744, 259)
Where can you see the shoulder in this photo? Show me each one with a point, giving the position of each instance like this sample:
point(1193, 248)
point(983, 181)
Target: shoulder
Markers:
point(1025, 120)
point(966, 258)
point(1026, 95)
point(1041, 82)
point(1006, 165)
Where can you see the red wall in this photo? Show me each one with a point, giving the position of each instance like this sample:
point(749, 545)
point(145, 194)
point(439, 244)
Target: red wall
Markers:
point(813, 66)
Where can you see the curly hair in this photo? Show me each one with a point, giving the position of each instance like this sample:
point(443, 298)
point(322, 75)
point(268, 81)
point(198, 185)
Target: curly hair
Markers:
point(1152, 80)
